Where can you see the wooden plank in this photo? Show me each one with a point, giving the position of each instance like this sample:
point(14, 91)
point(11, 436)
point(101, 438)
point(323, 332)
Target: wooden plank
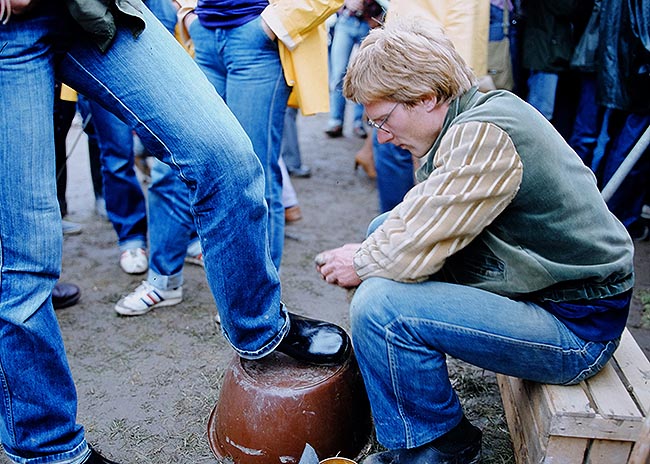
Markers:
point(563, 450)
point(608, 452)
point(575, 418)
point(635, 369)
point(569, 400)
point(515, 404)
point(597, 427)
point(611, 397)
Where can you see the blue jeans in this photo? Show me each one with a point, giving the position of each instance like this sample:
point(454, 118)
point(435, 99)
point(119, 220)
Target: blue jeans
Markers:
point(628, 200)
point(189, 128)
point(588, 118)
point(243, 62)
point(394, 173)
point(290, 150)
point(348, 32)
point(125, 203)
point(542, 87)
point(171, 227)
point(402, 333)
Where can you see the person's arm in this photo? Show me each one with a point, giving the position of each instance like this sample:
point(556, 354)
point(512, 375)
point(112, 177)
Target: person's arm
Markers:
point(186, 16)
point(17, 7)
point(290, 21)
point(478, 172)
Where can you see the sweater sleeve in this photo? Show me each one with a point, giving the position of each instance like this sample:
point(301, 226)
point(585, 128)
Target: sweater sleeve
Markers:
point(477, 172)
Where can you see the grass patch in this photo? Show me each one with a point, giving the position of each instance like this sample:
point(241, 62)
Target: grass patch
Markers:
point(644, 297)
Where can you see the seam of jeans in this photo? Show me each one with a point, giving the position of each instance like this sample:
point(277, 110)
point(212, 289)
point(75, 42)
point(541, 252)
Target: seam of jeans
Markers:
point(394, 374)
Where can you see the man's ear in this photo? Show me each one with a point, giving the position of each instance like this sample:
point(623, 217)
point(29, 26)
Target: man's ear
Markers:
point(430, 103)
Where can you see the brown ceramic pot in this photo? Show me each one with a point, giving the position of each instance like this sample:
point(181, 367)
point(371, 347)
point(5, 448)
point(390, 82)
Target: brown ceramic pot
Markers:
point(268, 409)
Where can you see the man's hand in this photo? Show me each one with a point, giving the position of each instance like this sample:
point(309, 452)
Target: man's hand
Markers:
point(188, 19)
point(268, 30)
point(336, 266)
point(22, 6)
point(354, 5)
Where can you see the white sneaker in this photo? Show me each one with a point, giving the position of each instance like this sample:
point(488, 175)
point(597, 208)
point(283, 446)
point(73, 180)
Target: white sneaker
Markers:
point(146, 297)
point(71, 228)
point(134, 261)
point(645, 212)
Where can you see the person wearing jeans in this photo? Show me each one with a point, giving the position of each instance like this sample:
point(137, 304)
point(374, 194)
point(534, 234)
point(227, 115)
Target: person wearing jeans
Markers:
point(350, 28)
point(125, 204)
point(395, 173)
point(503, 255)
point(129, 64)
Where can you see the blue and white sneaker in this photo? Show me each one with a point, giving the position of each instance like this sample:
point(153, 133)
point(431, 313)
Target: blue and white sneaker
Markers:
point(146, 297)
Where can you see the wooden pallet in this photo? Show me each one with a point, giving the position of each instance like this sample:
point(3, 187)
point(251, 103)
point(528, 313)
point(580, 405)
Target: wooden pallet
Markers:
point(599, 421)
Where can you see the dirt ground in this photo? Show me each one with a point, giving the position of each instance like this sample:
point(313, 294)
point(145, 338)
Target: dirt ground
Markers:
point(147, 384)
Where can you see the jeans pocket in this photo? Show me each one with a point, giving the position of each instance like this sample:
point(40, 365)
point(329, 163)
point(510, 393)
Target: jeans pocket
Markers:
point(599, 354)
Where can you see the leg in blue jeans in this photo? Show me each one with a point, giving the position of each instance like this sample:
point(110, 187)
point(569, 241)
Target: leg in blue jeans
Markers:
point(241, 62)
point(402, 333)
point(348, 31)
point(171, 227)
point(189, 128)
point(588, 120)
point(626, 203)
point(125, 203)
point(394, 173)
point(541, 92)
point(290, 150)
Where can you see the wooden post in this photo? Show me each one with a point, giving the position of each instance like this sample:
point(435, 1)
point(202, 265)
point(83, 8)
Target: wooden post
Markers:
point(641, 450)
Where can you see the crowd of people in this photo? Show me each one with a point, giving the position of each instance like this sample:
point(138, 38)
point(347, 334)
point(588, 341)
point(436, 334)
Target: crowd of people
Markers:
point(494, 244)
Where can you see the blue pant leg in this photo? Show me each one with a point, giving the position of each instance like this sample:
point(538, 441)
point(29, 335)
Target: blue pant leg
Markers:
point(290, 151)
point(402, 333)
point(588, 120)
point(171, 226)
point(394, 173)
point(192, 130)
point(39, 407)
point(125, 203)
point(254, 68)
point(542, 87)
point(626, 203)
point(348, 31)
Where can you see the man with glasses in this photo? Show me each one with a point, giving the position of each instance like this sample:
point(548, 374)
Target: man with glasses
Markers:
point(504, 255)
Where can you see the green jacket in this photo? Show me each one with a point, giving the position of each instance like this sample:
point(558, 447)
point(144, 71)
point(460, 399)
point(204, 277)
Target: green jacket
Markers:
point(99, 17)
point(549, 39)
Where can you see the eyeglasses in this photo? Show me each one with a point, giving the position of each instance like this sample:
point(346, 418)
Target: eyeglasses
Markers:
point(380, 126)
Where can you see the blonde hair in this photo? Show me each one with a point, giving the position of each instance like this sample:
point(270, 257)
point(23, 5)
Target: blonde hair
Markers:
point(407, 61)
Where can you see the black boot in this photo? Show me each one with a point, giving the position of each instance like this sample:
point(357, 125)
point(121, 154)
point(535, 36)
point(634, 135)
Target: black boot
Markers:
point(315, 342)
point(64, 295)
point(96, 458)
point(461, 445)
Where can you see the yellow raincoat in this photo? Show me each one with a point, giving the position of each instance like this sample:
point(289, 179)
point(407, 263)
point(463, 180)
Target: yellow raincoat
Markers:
point(466, 23)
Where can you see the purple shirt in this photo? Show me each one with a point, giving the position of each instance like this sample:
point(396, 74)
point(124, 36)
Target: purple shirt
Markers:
point(228, 13)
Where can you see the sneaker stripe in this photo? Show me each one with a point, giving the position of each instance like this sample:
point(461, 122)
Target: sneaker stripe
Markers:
point(151, 298)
